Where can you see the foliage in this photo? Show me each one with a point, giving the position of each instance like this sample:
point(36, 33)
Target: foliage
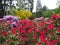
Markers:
point(57, 10)
point(23, 5)
point(23, 14)
point(33, 15)
point(52, 11)
point(39, 13)
point(31, 2)
point(47, 13)
point(20, 4)
point(38, 6)
point(1, 9)
point(44, 8)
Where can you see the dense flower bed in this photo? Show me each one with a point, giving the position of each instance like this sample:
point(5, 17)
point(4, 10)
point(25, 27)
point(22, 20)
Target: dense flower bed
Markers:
point(42, 31)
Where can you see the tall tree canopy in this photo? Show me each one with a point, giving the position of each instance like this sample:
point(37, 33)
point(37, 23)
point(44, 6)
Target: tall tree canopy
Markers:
point(25, 4)
point(39, 8)
point(1, 9)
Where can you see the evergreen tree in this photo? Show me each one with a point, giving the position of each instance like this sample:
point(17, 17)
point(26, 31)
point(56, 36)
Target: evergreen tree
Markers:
point(44, 8)
point(39, 8)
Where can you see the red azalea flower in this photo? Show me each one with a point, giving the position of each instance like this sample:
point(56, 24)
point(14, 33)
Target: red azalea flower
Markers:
point(14, 30)
point(39, 44)
point(54, 16)
point(11, 22)
point(25, 38)
point(30, 30)
point(55, 41)
point(59, 36)
point(43, 33)
point(20, 27)
point(51, 44)
point(34, 37)
point(26, 26)
point(42, 23)
point(20, 36)
point(4, 33)
point(17, 24)
point(53, 21)
point(24, 21)
point(59, 16)
point(51, 26)
point(38, 31)
point(42, 39)
point(23, 31)
point(29, 24)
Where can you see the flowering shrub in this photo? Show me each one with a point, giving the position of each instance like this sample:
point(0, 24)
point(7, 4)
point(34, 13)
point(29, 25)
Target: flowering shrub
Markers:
point(22, 14)
point(45, 31)
point(8, 22)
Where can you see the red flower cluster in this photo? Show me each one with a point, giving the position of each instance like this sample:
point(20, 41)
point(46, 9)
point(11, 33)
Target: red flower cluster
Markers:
point(30, 32)
point(55, 16)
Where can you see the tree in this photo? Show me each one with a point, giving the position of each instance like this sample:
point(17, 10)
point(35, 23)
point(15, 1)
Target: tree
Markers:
point(58, 2)
point(9, 7)
point(4, 7)
point(20, 4)
point(39, 8)
point(44, 8)
point(31, 7)
point(1, 9)
point(25, 5)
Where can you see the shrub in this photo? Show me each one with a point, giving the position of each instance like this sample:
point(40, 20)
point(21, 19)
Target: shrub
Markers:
point(23, 14)
point(33, 16)
point(45, 31)
point(47, 13)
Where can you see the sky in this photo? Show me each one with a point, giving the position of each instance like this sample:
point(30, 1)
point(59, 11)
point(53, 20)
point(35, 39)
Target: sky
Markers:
point(51, 4)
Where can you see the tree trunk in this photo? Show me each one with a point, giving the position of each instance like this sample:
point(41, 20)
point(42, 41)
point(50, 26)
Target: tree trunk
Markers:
point(1, 9)
point(4, 7)
point(10, 7)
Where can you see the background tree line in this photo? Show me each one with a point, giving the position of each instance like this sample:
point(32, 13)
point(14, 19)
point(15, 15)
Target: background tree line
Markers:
point(7, 7)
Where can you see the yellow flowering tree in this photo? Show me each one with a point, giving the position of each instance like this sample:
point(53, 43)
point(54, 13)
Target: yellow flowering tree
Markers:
point(23, 14)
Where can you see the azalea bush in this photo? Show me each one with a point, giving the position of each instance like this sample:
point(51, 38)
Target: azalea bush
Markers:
point(41, 31)
point(47, 13)
point(23, 14)
point(8, 21)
